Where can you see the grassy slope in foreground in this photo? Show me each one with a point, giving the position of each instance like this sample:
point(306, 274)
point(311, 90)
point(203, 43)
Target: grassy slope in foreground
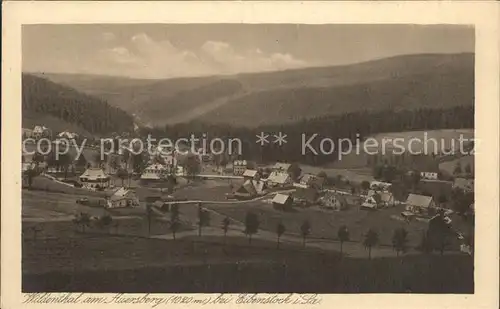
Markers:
point(178, 266)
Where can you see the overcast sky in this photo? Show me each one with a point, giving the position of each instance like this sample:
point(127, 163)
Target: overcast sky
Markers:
point(163, 51)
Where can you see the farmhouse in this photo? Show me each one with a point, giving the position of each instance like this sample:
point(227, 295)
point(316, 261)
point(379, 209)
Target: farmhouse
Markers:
point(279, 179)
point(246, 191)
point(67, 135)
point(291, 169)
point(40, 132)
point(311, 181)
point(387, 199)
point(27, 166)
point(429, 175)
point(251, 174)
point(334, 201)
point(282, 167)
point(122, 198)
point(420, 204)
point(372, 201)
point(154, 171)
point(282, 201)
point(94, 179)
point(380, 186)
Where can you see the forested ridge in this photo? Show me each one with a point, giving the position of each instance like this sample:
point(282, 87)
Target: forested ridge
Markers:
point(92, 114)
point(357, 125)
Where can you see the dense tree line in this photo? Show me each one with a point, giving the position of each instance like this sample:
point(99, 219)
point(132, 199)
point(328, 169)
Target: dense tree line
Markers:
point(357, 125)
point(92, 114)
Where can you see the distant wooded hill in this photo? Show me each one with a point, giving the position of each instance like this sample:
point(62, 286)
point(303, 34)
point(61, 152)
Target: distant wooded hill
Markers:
point(62, 108)
point(398, 83)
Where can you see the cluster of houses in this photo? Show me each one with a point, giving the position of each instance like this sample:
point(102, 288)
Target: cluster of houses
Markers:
point(40, 131)
point(37, 132)
point(305, 190)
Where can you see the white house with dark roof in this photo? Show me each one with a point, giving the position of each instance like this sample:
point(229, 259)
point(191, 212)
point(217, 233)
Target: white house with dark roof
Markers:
point(387, 199)
point(41, 131)
point(282, 167)
point(155, 171)
point(429, 175)
point(279, 179)
point(282, 201)
point(334, 201)
point(373, 200)
point(250, 189)
point(122, 198)
point(311, 181)
point(380, 186)
point(95, 179)
point(246, 191)
point(251, 174)
point(67, 135)
point(420, 204)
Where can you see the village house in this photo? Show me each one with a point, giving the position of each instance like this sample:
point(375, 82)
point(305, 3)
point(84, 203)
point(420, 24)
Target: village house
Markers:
point(41, 132)
point(387, 199)
point(306, 196)
point(380, 186)
point(429, 175)
point(420, 204)
point(311, 181)
point(279, 179)
point(250, 189)
point(67, 135)
point(95, 179)
point(239, 167)
point(334, 201)
point(27, 166)
point(373, 201)
point(291, 169)
point(122, 198)
point(155, 172)
point(464, 184)
point(282, 201)
point(251, 174)
point(282, 167)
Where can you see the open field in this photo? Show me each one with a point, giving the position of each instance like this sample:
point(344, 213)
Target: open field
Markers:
point(146, 265)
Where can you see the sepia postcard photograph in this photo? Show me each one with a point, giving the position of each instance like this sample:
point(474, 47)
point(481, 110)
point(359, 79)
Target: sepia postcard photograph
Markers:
point(249, 162)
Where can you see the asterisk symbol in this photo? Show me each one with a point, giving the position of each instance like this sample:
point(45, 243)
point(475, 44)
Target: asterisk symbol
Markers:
point(262, 138)
point(280, 138)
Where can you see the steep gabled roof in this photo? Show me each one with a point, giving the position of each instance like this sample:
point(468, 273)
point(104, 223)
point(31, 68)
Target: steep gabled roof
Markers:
point(250, 173)
point(282, 166)
point(94, 173)
point(281, 198)
point(278, 177)
point(419, 200)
